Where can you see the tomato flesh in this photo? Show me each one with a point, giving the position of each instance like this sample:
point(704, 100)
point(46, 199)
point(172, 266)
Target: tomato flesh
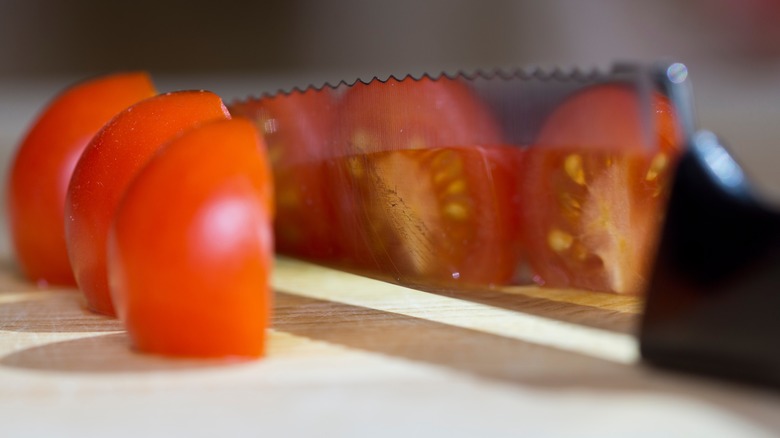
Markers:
point(191, 248)
point(423, 185)
point(601, 190)
point(108, 164)
point(439, 216)
point(44, 163)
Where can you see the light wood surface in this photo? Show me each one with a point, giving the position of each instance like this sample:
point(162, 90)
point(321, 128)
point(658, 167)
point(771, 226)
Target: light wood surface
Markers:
point(351, 356)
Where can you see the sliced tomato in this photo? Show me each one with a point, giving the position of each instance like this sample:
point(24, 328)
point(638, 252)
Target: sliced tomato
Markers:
point(297, 129)
point(44, 163)
point(439, 216)
point(427, 188)
point(599, 189)
point(414, 114)
point(108, 164)
point(190, 250)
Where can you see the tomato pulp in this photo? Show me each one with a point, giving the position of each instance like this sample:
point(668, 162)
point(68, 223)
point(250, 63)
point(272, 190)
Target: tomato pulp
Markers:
point(596, 190)
point(422, 182)
point(435, 217)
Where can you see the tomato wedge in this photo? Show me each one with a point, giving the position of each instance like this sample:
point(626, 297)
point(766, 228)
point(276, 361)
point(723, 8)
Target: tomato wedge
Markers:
point(44, 163)
point(296, 128)
point(599, 190)
point(191, 248)
point(108, 164)
point(427, 186)
point(414, 114)
point(439, 216)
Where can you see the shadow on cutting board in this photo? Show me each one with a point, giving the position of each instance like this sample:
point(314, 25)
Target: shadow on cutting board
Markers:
point(107, 353)
point(617, 313)
point(502, 359)
point(26, 307)
point(601, 310)
point(52, 312)
point(497, 358)
point(505, 360)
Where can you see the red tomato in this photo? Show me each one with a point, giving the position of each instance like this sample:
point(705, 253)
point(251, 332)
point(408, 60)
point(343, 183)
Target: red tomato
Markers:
point(428, 192)
point(439, 216)
point(296, 128)
point(44, 163)
point(191, 247)
point(414, 114)
point(108, 163)
point(599, 190)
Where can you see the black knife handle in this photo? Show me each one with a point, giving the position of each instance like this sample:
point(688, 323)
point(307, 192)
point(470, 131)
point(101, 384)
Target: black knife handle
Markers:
point(713, 304)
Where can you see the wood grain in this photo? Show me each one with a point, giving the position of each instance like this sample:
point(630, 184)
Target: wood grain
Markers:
point(326, 284)
point(351, 356)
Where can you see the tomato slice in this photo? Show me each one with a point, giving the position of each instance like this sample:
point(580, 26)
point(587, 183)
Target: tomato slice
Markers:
point(426, 186)
point(414, 114)
point(436, 217)
point(44, 163)
point(108, 164)
point(191, 248)
point(599, 190)
point(296, 128)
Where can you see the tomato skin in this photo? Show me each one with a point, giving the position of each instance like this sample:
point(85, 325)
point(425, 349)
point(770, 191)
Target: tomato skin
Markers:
point(105, 168)
point(414, 114)
point(608, 117)
point(297, 129)
point(191, 247)
point(600, 189)
point(44, 163)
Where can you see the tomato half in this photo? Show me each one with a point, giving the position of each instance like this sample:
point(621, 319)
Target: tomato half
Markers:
point(191, 248)
point(598, 190)
point(427, 190)
point(44, 163)
point(108, 163)
point(439, 216)
point(297, 129)
point(414, 114)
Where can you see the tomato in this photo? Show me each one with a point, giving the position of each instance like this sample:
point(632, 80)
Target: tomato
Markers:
point(44, 162)
point(191, 247)
point(599, 190)
point(108, 163)
point(428, 190)
point(296, 128)
point(438, 216)
point(414, 114)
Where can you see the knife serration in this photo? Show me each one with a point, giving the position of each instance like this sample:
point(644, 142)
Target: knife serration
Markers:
point(522, 97)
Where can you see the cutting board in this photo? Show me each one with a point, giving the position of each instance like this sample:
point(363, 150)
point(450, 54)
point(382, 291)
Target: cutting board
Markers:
point(354, 356)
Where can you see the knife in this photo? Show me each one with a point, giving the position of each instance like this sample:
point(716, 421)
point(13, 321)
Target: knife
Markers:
point(442, 182)
point(445, 182)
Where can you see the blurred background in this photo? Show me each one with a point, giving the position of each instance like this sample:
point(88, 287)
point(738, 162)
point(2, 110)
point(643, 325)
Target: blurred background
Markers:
point(50, 37)
point(236, 48)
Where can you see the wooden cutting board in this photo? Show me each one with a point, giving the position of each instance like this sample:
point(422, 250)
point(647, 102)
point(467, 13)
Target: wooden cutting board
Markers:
point(353, 356)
